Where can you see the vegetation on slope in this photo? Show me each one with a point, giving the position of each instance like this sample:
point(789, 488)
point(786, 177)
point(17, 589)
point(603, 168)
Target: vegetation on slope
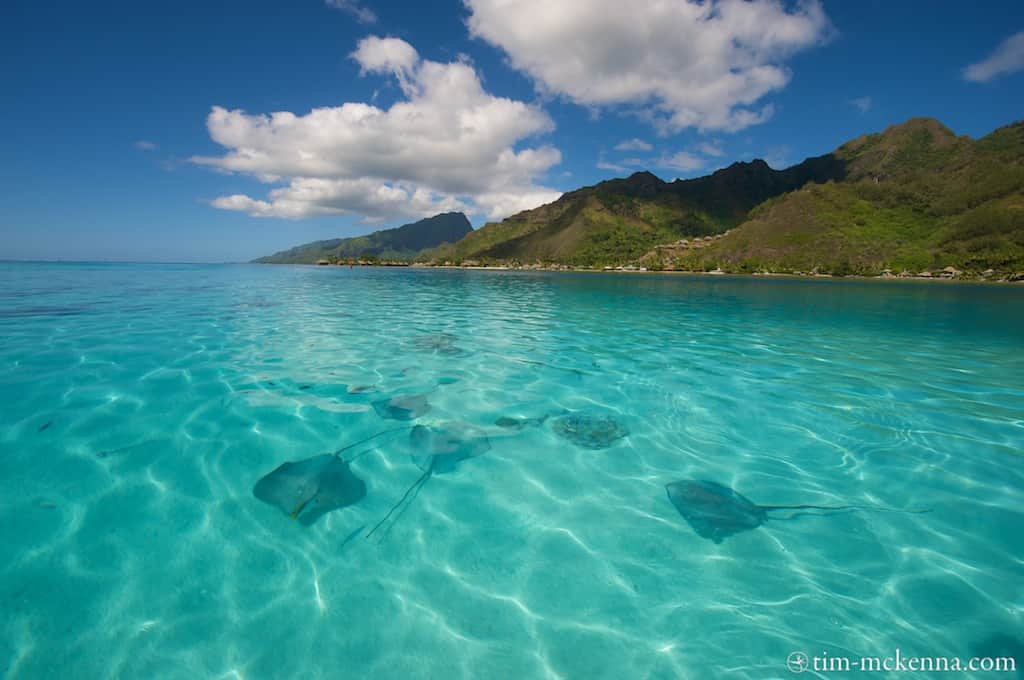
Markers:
point(619, 220)
point(913, 197)
point(401, 243)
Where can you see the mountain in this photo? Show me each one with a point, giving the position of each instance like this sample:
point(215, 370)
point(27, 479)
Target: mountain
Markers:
point(915, 196)
point(401, 243)
point(621, 219)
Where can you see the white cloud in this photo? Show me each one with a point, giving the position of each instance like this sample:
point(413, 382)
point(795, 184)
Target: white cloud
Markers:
point(777, 157)
point(605, 165)
point(713, 149)
point(1007, 58)
point(375, 201)
point(144, 145)
point(363, 15)
point(679, 64)
point(682, 161)
point(387, 55)
point(447, 145)
point(862, 104)
point(498, 204)
point(633, 145)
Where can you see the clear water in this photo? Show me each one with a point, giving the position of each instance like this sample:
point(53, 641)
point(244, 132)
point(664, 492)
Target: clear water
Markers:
point(140, 404)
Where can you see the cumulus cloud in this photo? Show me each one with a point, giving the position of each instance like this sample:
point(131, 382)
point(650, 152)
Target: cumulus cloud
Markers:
point(498, 204)
point(144, 145)
point(713, 149)
point(685, 161)
point(862, 104)
point(680, 64)
point(604, 164)
point(375, 201)
point(633, 145)
point(682, 161)
point(363, 15)
point(1006, 59)
point(387, 55)
point(447, 145)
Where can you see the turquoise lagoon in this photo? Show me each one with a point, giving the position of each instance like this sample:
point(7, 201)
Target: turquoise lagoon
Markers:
point(141, 403)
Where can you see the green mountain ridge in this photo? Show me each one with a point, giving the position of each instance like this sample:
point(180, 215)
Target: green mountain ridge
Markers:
point(400, 243)
point(914, 197)
point(621, 219)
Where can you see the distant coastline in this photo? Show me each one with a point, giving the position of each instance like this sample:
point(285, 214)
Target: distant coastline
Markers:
point(1017, 278)
point(913, 201)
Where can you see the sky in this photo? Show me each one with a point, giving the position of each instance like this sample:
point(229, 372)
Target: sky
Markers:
point(223, 130)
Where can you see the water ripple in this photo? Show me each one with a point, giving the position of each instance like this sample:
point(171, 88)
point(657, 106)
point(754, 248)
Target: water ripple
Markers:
point(133, 546)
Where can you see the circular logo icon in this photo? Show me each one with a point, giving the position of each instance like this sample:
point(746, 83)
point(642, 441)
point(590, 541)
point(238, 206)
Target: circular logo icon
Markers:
point(798, 662)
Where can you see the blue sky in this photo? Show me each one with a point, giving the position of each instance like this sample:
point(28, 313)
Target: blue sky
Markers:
point(113, 148)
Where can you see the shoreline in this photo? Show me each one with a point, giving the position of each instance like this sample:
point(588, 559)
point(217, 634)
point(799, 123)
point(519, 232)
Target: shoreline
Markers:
point(757, 275)
point(567, 269)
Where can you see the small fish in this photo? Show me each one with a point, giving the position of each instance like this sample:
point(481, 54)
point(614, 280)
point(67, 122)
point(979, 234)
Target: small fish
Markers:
point(304, 387)
point(45, 426)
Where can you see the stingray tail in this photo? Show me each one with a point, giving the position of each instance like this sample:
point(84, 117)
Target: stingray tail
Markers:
point(840, 508)
point(372, 436)
point(418, 483)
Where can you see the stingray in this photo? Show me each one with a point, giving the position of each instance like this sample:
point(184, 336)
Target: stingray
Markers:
point(310, 488)
point(589, 430)
point(717, 512)
point(516, 424)
point(437, 343)
point(512, 423)
point(438, 451)
point(307, 489)
point(407, 407)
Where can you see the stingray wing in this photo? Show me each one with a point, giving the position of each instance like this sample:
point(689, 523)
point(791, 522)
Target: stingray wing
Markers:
point(590, 430)
point(440, 449)
point(291, 485)
point(403, 407)
point(714, 511)
point(338, 487)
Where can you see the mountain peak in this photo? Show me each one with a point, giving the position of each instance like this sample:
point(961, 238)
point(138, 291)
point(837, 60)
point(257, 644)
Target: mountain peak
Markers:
point(757, 166)
point(932, 127)
point(643, 176)
point(639, 184)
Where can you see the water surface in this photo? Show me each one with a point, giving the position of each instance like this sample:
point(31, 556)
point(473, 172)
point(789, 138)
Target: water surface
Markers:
point(140, 404)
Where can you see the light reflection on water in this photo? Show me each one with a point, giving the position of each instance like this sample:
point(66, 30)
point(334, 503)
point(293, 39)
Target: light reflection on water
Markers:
point(133, 546)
